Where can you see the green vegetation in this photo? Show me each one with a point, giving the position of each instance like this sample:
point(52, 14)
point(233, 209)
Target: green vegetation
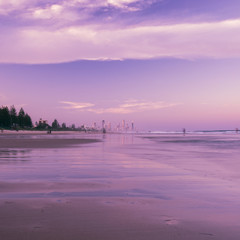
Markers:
point(10, 119)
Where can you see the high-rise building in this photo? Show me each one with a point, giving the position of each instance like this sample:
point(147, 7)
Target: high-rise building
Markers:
point(109, 126)
point(103, 126)
point(123, 125)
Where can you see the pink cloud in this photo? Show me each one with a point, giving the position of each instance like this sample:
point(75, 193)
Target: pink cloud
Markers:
point(125, 108)
point(198, 40)
point(76, 105)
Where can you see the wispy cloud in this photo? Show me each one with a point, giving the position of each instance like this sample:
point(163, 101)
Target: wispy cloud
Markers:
point(7, 6)
point(32, 45)
point(52, 11)
point(45, 8)
point(76, 105)
point(129, 106)
point(47, 31)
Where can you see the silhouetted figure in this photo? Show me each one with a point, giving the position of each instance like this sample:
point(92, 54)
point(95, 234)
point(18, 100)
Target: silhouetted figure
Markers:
point(184, 131)
point(236, 130)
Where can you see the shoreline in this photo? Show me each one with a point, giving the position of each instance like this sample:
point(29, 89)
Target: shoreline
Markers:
point(40, 132)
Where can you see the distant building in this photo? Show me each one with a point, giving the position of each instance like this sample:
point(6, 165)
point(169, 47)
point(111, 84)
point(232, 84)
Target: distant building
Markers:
point(42, 122)
point(123, 125)
point(103, 126)
point(95, 125)
point(109, 126)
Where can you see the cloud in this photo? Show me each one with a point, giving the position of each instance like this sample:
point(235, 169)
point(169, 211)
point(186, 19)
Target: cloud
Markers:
point(48, 12)
point(129, 5)
point(129, 106)
point(76, 105)
point(49, 31)
point(195, 40)
point(7, 6)
point(135, 106)
point(45, 8)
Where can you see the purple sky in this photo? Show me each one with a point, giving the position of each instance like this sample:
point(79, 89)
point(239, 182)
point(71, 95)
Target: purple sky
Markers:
point(164, 64)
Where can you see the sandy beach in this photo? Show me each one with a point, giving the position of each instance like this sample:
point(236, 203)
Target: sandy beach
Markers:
point(110, 189)
point(98, 218)
point(42, 143)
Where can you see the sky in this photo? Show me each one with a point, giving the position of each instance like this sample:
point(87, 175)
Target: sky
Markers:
point(163, 64)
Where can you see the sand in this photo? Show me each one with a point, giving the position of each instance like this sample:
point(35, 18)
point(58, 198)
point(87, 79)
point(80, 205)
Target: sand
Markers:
point(94, 218)
point(42, 143)
point(98, 209)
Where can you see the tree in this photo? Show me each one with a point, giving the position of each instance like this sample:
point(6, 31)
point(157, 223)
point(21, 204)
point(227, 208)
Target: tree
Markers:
point(27, 121)
point(10, 118)
point(13, 116)
point(21, 117)
point(64, 126)
point(5, 119)
point(55, 124)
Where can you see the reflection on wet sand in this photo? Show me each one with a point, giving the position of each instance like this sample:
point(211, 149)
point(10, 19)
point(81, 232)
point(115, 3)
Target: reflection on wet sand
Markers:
point(13, 156)
point(123, 187)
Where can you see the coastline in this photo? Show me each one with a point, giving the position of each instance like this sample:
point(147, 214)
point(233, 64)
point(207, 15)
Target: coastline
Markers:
point(40, 132)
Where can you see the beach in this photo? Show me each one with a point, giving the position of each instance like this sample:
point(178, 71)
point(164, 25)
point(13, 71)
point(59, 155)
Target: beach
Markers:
point(24, 143)
point(119, 186)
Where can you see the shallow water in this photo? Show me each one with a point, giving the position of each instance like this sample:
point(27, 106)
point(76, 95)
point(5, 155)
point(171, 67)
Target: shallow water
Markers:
point(198, 176)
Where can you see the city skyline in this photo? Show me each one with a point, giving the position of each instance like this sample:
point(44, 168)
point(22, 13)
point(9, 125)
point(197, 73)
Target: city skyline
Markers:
point(163, 64)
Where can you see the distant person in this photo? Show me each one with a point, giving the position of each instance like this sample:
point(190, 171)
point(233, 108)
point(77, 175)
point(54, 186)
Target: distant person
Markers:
point(236, 130)
point(184, 131)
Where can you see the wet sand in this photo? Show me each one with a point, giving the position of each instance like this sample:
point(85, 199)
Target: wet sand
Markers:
point(98, 218)
point(78, 218)
point(42, 143)
point(109, 201)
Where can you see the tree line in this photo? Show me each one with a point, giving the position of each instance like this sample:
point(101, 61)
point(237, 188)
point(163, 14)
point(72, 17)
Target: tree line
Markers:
point(54, 126)
point(9, 118)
